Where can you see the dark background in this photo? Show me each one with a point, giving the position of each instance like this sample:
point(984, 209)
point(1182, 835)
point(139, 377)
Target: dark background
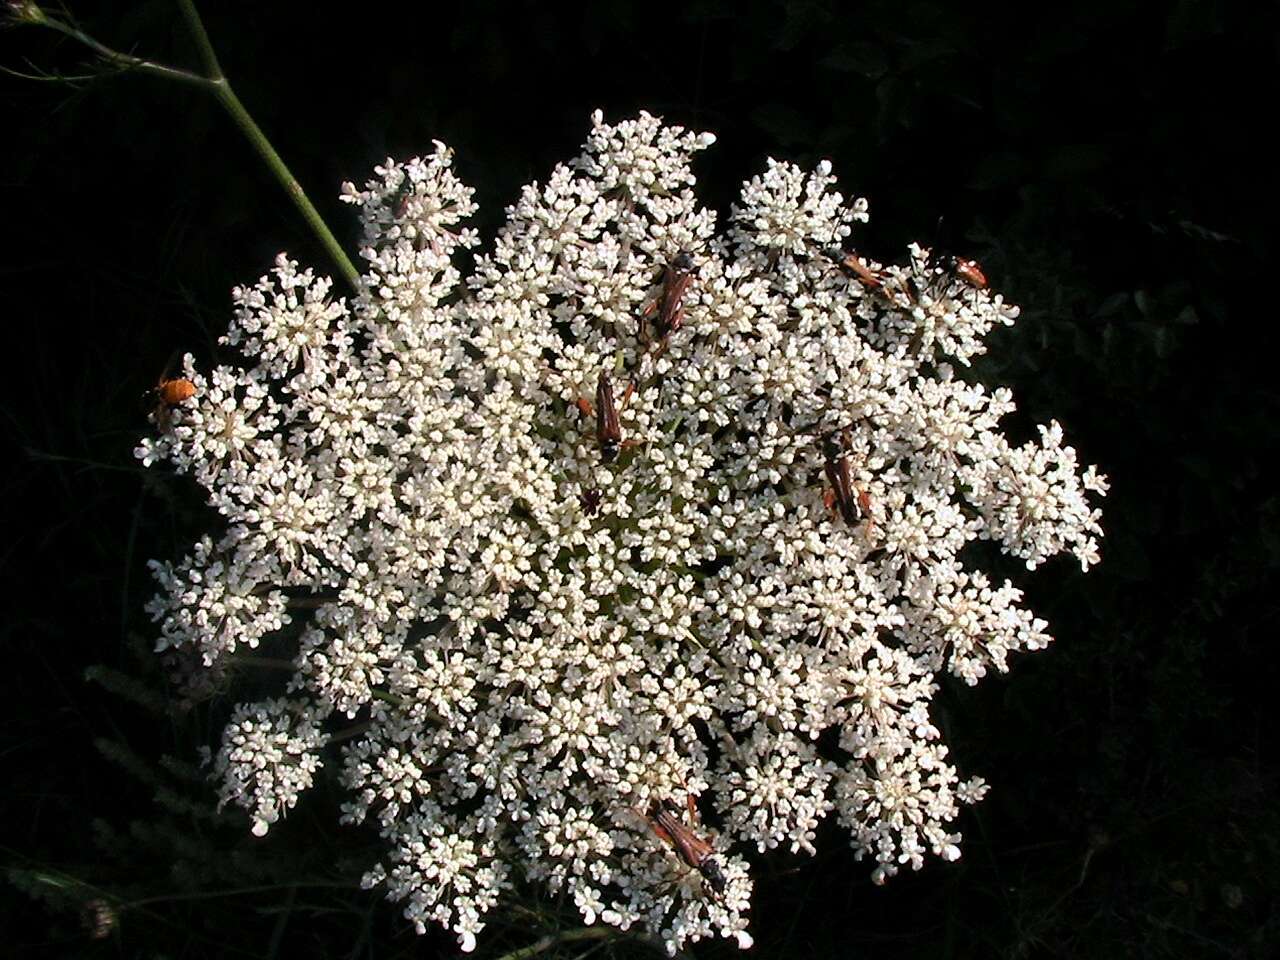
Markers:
point(1104, 161)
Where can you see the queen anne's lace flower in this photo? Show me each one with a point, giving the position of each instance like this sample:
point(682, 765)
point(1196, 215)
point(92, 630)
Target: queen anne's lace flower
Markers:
point(544, 645)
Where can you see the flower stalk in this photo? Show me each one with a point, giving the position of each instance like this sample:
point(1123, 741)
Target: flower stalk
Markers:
point(213, 81)
point(556, 939)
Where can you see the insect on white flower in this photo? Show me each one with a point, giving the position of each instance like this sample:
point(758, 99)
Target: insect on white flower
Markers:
point(545, 627)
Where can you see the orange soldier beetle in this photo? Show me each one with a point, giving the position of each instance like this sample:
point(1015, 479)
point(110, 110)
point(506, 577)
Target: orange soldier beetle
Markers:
point(168, 393)
point(968, 271)
point(851, 263)
point(948, 266)
point(948, 269)
point(852, 502)
point(608, 429)
point(962, 267)
point(669, 304)
point(664, 820)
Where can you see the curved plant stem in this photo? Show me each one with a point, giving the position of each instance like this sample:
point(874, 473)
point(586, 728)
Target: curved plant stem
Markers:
point(215, 82)
point(212, 69)
point(121, 60)
point(568, 936)
point(231, 103)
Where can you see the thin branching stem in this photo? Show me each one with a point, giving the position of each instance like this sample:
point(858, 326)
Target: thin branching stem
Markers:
point(212, 69)
point(351, 733)
point(125, 61)
point(309, 603)
point(568, 936)
point(265, 663)
point(215, 82)
point(237, 892)
point(231, 103)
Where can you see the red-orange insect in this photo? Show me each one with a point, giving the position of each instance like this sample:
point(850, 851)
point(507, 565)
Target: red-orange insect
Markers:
point(969, 271)
point(851, 501)
point(169, 392)
point(608, 429)
point(851, 263)
point(174, 391)
point(669, 305)
point(664, 820)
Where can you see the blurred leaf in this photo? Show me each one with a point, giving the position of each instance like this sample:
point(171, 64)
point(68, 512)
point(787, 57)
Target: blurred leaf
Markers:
point(1204, 233)
point(864, 58)
point(1111, 305)
point(128, 687)
point(1127, 557)
point(788, 127)
point(1163, 343)
point(997, 170)
point(922, 53)
point(1076, 160)
point(800, 19)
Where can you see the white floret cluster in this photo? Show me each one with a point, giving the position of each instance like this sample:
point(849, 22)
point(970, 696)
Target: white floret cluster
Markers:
point(538, 647)
point(269, 757)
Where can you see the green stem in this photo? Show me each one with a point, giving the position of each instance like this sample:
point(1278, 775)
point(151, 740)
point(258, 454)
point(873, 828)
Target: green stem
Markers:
point(216, 83)
point(234, 892)
point(231, 103)
point(395, 701)
point(351, 733)
point(227, 97)
point(126, 61)
point(265, 663)
point(568, 936)
point(212, 69)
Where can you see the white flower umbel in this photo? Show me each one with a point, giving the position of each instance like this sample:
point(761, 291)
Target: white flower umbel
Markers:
point(269, 756)
point(550, 627)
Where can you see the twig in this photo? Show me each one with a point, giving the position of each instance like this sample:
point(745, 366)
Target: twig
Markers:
point(212, 68)
point(216, 83)
point(309, 603)
point(266, 663)
point(568, 936)
point(227, 97)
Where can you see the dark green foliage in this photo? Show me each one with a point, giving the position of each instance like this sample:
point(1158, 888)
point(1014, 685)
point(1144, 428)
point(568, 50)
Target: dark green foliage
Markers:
point(1105, 162)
